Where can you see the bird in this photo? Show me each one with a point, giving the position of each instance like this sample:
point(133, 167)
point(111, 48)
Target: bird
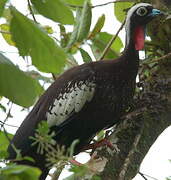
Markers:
point(87, 98)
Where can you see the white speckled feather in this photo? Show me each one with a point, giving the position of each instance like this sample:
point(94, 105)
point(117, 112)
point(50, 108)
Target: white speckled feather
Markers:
point(72, 101)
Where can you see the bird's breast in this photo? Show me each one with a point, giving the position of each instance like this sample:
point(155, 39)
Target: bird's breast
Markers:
point(114, 96)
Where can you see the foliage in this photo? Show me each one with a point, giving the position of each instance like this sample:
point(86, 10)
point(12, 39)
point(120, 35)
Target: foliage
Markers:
point(47, 59)
point(56, 155)
point(19, 172)
point(100, 41)
point(7, 36)
point(55, 10)
point(120, 10)
point(2, 5)
point(4, 143)
point(15, 92)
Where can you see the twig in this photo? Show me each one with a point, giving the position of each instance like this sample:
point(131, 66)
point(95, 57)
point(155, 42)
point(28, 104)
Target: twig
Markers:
point(111, 42)
point(9, 113)
point(5, 32)
point(134, 113)
point(2, 123)
point(53, 75)
point(143, 175)
point(57, 172)
point(6, 135)
point(161, 58)
point(99, 5)
point(31, 11)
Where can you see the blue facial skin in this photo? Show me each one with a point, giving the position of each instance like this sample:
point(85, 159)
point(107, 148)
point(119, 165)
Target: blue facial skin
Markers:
point(156, 12)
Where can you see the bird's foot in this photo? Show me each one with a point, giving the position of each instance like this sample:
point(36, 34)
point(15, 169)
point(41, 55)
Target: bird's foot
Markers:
point(74, 162)
point(103, 142)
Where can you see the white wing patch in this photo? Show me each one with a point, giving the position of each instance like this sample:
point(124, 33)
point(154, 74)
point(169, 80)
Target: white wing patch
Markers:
point(72, 100)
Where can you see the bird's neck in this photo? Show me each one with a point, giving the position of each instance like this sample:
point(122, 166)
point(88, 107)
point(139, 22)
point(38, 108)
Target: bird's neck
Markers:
point(135, 37)
point(130, 53)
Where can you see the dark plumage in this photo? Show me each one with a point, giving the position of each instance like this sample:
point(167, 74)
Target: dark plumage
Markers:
point(89, 97)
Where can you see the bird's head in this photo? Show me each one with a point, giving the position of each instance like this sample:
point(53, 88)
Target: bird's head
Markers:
point(137, 18)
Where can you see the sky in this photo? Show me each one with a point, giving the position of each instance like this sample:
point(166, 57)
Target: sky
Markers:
point(156, 162)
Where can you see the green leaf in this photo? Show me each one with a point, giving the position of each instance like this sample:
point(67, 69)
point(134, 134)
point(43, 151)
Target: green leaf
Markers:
point(79, 171)
point(7, 14)
point(20, 172)
point(99, 43)
point(98, 26)
point(3, 108)
point(64, 36)
point(55, 10)
point(81, 27)
point(32, 40)
point(75, 2)
point(97, 51)
point(120, 10)
point(85, 22)
point(86, 57)
point(4, 144)
point(2, 6)
point(73, 37)
point(4, 141)
point(6, 36)
point(16, 85)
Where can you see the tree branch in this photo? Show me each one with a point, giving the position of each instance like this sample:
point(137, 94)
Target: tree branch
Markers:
point(127, 162)
point(111, 42)
point(99, 5)
point(161, 58)
point(143, 175)
point(2, 123)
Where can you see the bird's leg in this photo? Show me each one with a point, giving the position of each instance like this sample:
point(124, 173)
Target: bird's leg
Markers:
point(103, 142)
point(74, 162)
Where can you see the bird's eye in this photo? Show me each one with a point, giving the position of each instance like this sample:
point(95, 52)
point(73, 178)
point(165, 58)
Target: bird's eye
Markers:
point(142, 11)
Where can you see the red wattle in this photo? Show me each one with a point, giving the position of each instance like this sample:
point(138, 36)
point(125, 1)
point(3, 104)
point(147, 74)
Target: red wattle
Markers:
point(139, 38)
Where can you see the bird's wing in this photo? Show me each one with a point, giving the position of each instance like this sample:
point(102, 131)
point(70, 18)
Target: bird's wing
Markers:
point(62, 100)
point(70, 101)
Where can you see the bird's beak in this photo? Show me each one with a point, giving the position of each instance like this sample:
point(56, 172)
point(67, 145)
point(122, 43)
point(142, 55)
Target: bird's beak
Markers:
point(156, 12)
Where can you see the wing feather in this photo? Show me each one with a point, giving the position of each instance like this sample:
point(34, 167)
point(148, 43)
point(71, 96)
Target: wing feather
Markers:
point(71, 101)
